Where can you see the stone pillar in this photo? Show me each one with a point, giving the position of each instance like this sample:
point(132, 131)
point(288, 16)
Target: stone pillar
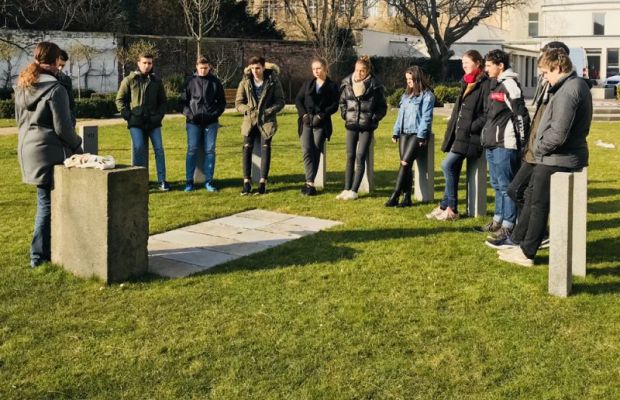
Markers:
point(477, 186)
point(256, 158)
point(100, 222)
point(424, 173)
point(368, 181)
point(90, 138)
point(560, 234)
point(199, 173)
point(321, 175)
point(580, 216)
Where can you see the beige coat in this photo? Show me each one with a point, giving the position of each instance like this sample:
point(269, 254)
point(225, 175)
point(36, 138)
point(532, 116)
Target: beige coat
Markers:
point(260, 112)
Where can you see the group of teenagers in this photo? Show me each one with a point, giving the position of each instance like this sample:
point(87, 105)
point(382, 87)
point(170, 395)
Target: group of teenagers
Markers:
point(489, 114)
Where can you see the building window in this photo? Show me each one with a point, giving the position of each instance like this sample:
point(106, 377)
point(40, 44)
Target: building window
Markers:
point(532, 24)
point(613, 67)
point(598, 23)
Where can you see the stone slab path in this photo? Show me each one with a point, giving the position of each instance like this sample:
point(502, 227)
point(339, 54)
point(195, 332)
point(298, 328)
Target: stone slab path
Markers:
point(197, 248)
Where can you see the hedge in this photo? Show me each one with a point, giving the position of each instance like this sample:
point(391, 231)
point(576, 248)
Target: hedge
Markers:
point(95, 108)
point(7, 109)
point(443, 94)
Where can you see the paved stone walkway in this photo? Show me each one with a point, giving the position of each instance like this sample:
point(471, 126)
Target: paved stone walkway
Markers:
point(196, 248)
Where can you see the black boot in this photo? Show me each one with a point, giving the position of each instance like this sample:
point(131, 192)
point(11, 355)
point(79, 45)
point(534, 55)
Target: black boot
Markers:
point(393, 200)
point(406, 200)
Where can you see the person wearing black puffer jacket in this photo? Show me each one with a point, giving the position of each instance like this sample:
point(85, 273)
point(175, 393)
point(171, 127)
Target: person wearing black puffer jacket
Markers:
point(316, 101)
point(203, 102)
point(362, 106)
point(462, 138)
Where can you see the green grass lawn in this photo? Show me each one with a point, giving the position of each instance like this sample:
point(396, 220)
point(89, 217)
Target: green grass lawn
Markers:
point(387, 305)
point(7, 122)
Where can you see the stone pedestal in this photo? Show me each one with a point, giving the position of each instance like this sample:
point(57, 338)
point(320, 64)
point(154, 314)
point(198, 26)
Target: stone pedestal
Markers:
point(560, 234)
point(256, 159)
point(368, 181)
point(90, 138)
point(477, 186)
point(424, 173)
point(100, 222)
point(580, 217)
point(199, 173)
point(321, 174)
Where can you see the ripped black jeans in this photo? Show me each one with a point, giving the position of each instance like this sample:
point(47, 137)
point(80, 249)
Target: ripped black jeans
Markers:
point(265, 154)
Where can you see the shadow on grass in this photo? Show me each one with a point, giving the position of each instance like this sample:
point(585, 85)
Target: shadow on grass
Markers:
point(604, 207)
point(603, 224)
point(602, 192)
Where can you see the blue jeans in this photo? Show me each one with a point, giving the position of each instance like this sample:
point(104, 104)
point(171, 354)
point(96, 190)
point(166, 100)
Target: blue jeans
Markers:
point(40, 249)
point(200, 137)
point(139, 146)
point(503, 165)
point(451, 166)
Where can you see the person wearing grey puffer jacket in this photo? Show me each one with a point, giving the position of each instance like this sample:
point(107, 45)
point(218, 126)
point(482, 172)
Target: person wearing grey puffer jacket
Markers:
point(46, 137)
point(560, 146)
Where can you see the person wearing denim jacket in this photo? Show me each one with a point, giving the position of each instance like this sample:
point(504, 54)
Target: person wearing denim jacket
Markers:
point(412, 129)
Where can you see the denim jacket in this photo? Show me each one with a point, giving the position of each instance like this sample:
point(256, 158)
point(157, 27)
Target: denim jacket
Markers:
point(415, 115)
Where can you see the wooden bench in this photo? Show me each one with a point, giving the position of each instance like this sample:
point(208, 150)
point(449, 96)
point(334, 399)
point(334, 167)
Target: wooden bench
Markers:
point(230, 95)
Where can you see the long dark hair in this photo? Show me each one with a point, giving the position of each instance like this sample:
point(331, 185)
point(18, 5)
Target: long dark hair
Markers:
point(421, 81)
point(45, 54)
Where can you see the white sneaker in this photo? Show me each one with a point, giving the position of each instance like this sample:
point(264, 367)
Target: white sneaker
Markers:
point(351, 195)
point(515, 256)
point(342, 195)
point(435, 213)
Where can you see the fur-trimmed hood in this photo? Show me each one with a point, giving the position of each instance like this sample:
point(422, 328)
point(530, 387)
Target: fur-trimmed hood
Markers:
point(268, 67)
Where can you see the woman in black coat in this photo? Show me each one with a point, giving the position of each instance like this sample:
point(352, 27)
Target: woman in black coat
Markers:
point(462, 138)
point(316, 101)
point(362, 106)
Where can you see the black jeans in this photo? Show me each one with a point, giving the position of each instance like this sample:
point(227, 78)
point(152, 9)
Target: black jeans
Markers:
point(516, 191)
point(265, 154)
point(312, 141)
point(535, 211)
point(410, 149)
point(358, 144)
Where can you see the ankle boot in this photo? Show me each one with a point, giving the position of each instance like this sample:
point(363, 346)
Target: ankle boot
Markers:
point(393, 200)
point(406, 200)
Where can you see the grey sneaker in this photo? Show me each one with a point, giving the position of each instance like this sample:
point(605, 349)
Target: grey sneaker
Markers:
point(500, 244)
point(492, 226)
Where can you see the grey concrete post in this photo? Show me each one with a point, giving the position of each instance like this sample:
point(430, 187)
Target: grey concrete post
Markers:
point(100, 224)
point(424, 173)
point(368, 181)
point(560, 234)
point(199, 173)
point(477, 186)
point(321, 175)
point(580, 216)
point(256, 158)
point(90, 138)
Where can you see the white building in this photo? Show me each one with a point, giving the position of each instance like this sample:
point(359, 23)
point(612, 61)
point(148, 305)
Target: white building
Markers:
point(592, 25)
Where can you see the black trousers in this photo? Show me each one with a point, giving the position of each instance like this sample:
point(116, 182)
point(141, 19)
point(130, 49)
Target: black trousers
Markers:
point(410, 149)
point(312, 141)
point(516, 191)
point(358, 144)
point(535, 211)
point(265, 154)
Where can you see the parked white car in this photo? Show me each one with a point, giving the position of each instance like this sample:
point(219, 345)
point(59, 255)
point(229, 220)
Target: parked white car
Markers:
point(612, 81)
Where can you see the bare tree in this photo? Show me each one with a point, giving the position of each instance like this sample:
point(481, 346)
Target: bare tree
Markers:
point(19, 12)
point(81, 56)
point(225, 63)
point(326, 23)
point(8, 53)
point(442, 22)
point(200, 18)
point(101, 14)
point(128, 55)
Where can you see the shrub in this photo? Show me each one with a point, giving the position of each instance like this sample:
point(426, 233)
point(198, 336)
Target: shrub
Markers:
point(446, 94)
point(173, 84)
point(104, 96)
point(95, 108)
point(172, 104)
point(6, 93)
point(617, 93)
point(393, 100)
point(85, 93)
point(7, 109)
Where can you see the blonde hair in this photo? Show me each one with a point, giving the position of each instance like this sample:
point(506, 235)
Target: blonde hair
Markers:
point(365, 61)
point(44, 53)
point(555, 58)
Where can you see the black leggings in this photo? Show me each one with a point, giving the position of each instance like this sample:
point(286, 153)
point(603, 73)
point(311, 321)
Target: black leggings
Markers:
point(409, 150)
point(312, 141)
point(358, 144)
point(265, 154)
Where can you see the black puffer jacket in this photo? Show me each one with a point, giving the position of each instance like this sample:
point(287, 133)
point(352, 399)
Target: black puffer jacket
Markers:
point(322, 103)
point(203, 100)
point(467, 120)
point(362, 113)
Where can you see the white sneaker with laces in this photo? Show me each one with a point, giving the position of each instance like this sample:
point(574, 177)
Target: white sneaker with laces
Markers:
point(515, 256)
point(342, 195)
point(351, 195)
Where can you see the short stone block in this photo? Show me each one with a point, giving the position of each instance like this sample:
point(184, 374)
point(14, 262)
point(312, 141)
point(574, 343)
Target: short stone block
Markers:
point(321, 174)
point(477, 186)
point(580, 217)
point(560, 234)
point(424, 173)
point(100, 222)
point(90, 138)
point(368, 181)
point(256, 159)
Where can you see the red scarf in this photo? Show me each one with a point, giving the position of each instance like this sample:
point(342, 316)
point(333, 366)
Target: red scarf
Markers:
point(471, 77)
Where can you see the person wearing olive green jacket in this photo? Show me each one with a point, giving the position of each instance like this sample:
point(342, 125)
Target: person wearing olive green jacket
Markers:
point(141, 100)
point(259, 98)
